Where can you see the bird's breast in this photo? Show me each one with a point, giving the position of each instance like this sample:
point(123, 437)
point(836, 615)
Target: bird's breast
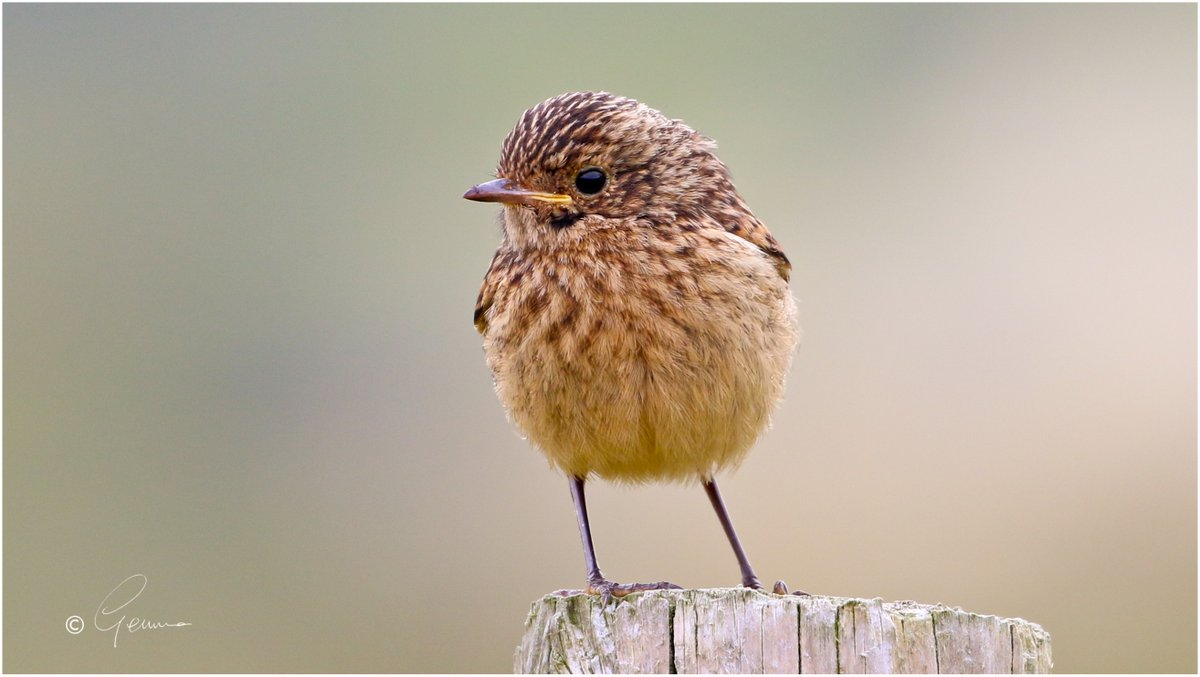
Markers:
point(645, 361)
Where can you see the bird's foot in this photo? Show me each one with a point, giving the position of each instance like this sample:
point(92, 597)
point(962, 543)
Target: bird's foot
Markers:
point(781, 588)
point(607, 588)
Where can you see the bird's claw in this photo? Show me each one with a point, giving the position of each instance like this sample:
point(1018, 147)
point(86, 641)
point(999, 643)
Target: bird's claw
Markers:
point(781, 588)
point(609, 589)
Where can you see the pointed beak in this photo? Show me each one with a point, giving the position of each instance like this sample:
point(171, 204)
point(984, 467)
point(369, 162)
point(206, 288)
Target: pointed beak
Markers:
point(508, 192)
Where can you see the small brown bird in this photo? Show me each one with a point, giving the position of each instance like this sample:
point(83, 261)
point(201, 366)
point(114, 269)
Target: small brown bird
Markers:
point(636, 316)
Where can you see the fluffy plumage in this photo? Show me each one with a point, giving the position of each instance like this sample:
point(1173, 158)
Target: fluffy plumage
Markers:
point(642, 333)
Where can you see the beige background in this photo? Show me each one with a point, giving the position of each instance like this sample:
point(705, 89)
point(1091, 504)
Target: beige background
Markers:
point(239, 356)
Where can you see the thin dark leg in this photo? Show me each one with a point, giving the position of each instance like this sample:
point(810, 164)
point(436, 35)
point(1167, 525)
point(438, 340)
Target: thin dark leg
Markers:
point(748, 578)
point(585, 531)
point(597, 585)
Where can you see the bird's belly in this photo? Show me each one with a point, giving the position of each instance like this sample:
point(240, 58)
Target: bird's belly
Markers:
point(637, 389)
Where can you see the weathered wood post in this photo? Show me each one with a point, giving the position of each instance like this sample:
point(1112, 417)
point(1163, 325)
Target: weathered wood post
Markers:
point(735, 630)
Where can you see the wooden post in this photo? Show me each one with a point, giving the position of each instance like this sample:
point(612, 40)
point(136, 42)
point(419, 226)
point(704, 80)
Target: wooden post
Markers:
point(736, 630)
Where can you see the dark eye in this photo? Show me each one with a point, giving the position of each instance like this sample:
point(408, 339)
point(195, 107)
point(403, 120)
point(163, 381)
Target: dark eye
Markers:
point(590, 181)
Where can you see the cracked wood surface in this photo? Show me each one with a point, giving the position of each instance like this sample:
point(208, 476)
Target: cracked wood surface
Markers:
point(735, 630)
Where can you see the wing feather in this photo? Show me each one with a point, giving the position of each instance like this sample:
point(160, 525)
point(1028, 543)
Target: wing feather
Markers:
point(742, 224)
point(495, 277)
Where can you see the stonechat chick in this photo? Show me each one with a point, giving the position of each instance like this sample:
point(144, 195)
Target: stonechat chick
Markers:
point(636, 316)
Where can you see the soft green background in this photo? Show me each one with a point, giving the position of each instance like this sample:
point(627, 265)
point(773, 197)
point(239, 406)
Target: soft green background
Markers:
point(239, 356)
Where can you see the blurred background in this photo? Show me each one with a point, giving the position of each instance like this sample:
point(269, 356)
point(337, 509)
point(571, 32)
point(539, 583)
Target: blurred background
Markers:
point(239, 359)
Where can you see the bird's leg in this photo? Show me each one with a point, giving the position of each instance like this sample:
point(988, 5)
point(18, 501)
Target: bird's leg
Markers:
point(585, 531)
point(597, 584)
point(749, 580)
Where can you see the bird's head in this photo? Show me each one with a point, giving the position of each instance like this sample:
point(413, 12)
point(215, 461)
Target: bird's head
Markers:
point(588, 160)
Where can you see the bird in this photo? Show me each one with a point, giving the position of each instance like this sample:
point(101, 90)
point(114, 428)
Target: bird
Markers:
point(636, 317)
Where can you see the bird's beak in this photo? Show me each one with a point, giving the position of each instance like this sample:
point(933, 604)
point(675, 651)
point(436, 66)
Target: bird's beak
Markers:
point(503, 190)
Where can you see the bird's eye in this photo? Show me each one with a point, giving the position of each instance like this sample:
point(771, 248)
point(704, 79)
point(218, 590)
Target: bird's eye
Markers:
point(590, 181)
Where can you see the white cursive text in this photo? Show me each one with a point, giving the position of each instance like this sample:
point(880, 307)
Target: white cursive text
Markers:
point(128, 590)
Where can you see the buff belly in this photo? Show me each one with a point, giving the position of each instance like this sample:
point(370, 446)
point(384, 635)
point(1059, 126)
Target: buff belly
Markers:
point(637, 387)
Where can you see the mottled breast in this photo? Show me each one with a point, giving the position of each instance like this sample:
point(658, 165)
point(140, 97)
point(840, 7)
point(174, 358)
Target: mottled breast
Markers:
point(639, 355)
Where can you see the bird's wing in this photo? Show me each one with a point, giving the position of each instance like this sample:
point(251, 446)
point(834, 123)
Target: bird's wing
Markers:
point(743, 224)
point(491, 282)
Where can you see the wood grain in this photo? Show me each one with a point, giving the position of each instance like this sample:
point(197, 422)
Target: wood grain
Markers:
point(735, 630)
